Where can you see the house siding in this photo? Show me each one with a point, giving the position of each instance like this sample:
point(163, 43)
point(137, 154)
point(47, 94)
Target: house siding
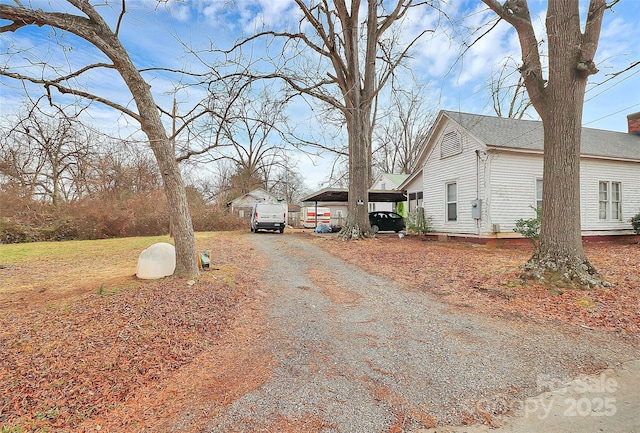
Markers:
point(461, 169)
point(513, 189)
point(591, 173)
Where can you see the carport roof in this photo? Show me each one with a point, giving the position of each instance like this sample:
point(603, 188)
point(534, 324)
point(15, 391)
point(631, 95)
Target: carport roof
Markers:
point(342, 194)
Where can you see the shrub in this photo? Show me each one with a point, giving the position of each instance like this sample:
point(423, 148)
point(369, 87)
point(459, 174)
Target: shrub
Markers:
point(635, 223)
point(417, 222)
point(530, 228)
point(13, 232)
point(60, 230)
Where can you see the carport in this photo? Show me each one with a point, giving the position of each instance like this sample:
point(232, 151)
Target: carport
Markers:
point(342, 195)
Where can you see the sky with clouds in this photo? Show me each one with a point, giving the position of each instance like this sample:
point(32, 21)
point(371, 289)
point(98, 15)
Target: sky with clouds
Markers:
point(156, 34)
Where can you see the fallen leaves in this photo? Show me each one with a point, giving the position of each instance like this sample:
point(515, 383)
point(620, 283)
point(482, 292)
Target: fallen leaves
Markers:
point(70, 362)
point(484, 278)
point(160, 354)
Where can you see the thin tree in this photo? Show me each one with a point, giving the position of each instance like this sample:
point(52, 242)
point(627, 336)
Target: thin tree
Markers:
point(559, 100)
point(357, 58)
point(91, 26)
point(44, 150)
point(509, 98)
point(400, 133)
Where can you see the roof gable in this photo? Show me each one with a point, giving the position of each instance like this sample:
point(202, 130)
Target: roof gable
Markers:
point(394, 180)
point(257, 194)
point(524, 135)
point(501, 132)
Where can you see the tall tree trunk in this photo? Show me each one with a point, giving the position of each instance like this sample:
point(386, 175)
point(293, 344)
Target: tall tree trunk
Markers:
point(94, 29)
point(151, 124)
point(559, 256)
point(182, 228)
point(357, 224)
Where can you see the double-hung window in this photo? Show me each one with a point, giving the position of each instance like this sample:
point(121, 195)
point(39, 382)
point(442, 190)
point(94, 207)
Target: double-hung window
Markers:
point(539, 193)
point(609, 200)
point(616, 201)
point(452, 201)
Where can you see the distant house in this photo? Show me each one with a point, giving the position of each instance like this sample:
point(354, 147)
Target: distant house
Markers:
point(386, 182)
point(243, 205)
point(478, 174)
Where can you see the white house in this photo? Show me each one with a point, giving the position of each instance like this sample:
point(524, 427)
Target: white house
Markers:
point(478, 174)
point(242, 206)
point(386, 182)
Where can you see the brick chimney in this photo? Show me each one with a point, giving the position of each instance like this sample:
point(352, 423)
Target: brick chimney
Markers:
point(633, 120)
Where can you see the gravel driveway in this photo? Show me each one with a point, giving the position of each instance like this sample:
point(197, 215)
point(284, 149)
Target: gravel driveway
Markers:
point(355, 353)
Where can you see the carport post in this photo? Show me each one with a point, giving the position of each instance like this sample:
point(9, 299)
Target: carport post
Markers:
point(316, 212)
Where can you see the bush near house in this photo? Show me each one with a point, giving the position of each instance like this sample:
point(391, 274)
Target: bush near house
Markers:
point(417, 222)
point(530, 228)
point(635, 223)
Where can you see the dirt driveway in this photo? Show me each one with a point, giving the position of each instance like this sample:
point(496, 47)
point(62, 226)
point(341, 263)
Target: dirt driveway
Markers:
point(352, 352)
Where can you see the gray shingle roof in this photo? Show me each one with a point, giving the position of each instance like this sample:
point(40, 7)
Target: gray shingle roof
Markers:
point(528, 134)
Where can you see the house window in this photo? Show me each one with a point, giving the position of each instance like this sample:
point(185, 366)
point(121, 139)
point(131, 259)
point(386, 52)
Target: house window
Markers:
point(383, 186)
point(538, 193)
point(372, 207)
point(609, 201)
point(616, 201)
point(603, 198)
point(452, 202)
point(450, 145)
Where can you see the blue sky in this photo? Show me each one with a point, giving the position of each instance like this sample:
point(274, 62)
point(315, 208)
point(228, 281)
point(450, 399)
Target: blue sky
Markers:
point(156, 33)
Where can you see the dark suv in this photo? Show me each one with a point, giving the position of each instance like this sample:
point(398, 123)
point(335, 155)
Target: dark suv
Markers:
point(386, 221)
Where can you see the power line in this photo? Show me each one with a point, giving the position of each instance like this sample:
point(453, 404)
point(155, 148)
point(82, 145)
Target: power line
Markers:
point(613, 114)
point(608, 88)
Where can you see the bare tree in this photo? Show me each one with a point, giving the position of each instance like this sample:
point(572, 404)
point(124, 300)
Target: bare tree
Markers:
point(559, 100)
point(252, 128)
point(89, 25)
point(44, 152)
point(356, 56)
point(508, 94)
point(401, 131)
point(288, 184)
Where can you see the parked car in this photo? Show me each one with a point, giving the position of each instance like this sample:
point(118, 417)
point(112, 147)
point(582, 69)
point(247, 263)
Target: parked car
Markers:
point(269, 216)
point(386, 221)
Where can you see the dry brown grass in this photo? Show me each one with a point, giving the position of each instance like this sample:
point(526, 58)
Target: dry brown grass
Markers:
point(36, 274)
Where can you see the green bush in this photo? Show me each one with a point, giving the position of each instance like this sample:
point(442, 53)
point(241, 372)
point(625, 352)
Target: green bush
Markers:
point(13, 232)
point(60, 230)
point(635, 223)
point(530, 228)
point(417, 222)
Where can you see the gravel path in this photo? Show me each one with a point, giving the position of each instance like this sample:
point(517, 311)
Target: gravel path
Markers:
point(355, 353)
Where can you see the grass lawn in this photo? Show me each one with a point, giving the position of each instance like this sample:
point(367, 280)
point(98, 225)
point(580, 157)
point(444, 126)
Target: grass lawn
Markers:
point(80, 334)
point(60, 270)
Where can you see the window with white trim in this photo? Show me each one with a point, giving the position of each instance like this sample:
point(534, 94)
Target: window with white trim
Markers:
point(538, 193)
point(452, 201)
point(610, 200)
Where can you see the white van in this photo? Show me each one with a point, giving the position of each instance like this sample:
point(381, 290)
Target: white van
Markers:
point(269, 216)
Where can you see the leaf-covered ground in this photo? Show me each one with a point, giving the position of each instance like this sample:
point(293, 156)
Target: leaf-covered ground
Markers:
point(64, 363)
point(484, 278)
point(156, 354)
